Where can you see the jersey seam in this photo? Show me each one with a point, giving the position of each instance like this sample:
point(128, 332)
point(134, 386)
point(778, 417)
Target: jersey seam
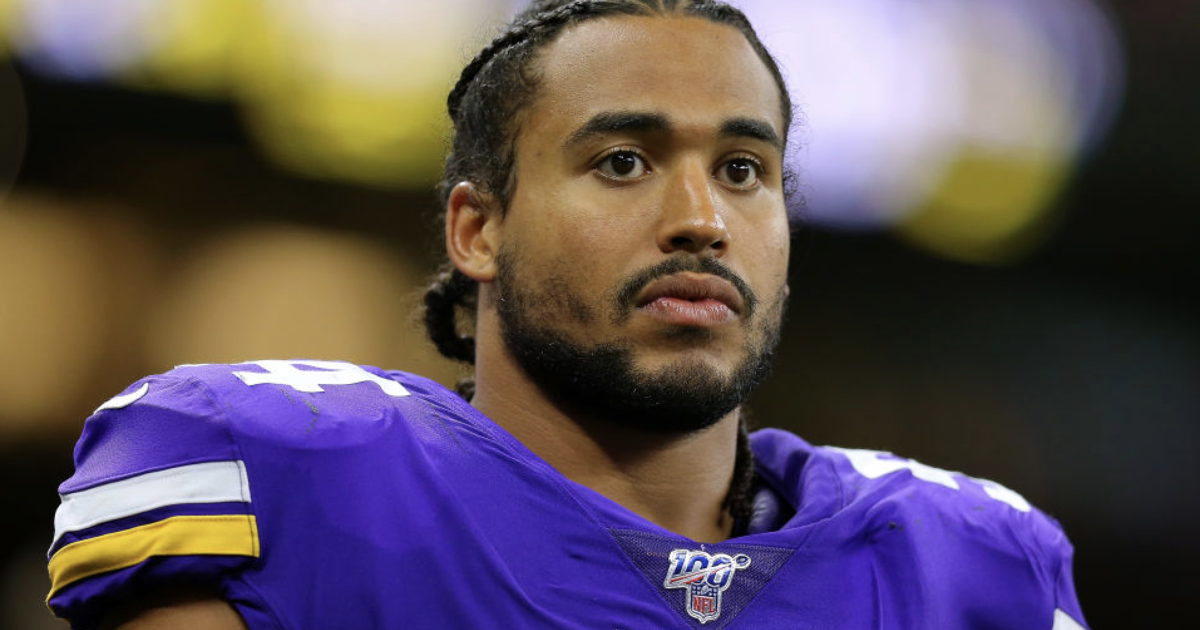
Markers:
point(642, 579)
point(791, 558)
point(271, 610)
point(837, 479)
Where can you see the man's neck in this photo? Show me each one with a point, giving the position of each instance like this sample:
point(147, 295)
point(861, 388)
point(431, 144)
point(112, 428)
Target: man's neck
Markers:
point(678, 482)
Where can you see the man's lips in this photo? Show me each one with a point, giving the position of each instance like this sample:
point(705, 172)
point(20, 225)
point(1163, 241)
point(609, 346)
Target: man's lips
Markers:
point(691, 299)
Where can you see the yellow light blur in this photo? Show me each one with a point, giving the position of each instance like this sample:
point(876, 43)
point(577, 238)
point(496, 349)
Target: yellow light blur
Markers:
point(1017, 144)
point(199, 46)
point(53, 313)
point(989, 209)
point(351, 90)
point(355, 136)
point(8, 17)
point(356, 90)
point(290, 292)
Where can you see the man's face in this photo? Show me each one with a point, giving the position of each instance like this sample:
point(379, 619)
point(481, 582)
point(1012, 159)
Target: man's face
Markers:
point(644, 253)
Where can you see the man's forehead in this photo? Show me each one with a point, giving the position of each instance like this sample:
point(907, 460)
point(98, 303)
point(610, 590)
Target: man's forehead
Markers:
point(689, 69)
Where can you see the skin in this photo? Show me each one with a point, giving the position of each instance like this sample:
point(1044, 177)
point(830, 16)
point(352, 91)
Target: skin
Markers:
point(574, 220)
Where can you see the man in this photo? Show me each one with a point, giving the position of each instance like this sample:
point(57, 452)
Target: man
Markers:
point(616, 229)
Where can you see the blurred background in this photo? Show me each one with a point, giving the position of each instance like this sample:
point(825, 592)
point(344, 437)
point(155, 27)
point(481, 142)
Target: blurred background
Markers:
point(998, 272)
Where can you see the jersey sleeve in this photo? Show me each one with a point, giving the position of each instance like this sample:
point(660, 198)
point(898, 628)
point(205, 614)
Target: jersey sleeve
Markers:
point(984, 551)
point(160, 496)
point(1047, 547)
point(1059, 554)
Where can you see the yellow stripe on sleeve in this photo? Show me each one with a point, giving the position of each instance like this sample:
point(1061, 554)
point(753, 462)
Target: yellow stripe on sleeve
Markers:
point(231, 535)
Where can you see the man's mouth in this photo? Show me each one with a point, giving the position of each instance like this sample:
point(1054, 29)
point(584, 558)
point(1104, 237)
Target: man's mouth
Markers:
point(691, 299)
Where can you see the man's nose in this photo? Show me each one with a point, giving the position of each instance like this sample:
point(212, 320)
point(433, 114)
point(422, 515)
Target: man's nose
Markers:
point(691, 219)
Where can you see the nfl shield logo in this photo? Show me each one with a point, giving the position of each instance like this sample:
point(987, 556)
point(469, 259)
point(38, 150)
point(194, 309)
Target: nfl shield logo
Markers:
point(705, 577)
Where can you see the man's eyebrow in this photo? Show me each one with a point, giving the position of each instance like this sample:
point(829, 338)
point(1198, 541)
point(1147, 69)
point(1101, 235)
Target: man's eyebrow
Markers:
point(619, 122)
point(751, 128)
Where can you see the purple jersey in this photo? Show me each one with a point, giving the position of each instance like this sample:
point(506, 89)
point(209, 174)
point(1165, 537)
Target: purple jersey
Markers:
point(317, 495)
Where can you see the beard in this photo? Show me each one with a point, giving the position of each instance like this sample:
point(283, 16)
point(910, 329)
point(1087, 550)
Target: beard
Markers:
point(603, 380)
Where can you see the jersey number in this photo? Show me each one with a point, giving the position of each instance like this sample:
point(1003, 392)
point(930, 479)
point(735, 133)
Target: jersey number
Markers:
point(318, 373)
point(874, 464)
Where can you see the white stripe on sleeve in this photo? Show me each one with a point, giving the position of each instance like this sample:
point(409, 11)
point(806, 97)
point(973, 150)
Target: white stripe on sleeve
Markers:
point(209, 482)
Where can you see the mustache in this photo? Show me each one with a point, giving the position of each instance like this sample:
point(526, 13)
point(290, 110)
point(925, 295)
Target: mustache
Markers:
point(627, 294)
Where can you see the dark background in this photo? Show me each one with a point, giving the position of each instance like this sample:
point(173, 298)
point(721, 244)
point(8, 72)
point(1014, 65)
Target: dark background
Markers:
point(1072, 376)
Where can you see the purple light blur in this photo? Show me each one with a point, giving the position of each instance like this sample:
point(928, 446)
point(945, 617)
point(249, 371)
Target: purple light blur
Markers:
point(885, 90)
point(84, 40)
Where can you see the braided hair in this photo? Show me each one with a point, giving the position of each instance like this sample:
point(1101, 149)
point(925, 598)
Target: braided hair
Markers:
point(485, 107)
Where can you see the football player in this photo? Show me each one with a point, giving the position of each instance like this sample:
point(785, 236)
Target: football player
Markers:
point(618, 240)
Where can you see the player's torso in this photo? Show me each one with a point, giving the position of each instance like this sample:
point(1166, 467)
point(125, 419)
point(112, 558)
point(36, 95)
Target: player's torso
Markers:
point(379, 511)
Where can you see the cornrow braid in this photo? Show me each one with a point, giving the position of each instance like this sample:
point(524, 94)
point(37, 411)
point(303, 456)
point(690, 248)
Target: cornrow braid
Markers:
point(739, 501)
point(525, 26)
point(449, 291)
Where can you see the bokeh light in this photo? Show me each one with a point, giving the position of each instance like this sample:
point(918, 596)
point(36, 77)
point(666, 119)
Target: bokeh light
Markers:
point(291, 292)
point(83, 40)
point(8, 12)
point(351, 90)
point(53, 314)
point(954, 123)
point(355, 90)
point(202, 47)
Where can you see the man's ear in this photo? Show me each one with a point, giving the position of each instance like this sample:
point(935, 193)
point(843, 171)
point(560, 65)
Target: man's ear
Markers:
point(472, 234)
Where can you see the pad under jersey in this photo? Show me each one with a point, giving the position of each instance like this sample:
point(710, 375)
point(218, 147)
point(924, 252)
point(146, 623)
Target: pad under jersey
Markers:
point(320, 495)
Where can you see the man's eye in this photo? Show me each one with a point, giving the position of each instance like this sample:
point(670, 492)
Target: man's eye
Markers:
point(622, 165)
point(739, 172)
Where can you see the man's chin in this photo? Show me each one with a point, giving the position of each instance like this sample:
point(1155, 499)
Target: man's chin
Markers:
point(691, 371)
point(685, 350)
point(683, 395)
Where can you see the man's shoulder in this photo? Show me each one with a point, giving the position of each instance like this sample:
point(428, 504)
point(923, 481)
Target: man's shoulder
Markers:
point(872, 492)
point(935, 542)
point(211, 412)
point(311, 398)
point(927, 496)
point(250, 391)
point(274, 390)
